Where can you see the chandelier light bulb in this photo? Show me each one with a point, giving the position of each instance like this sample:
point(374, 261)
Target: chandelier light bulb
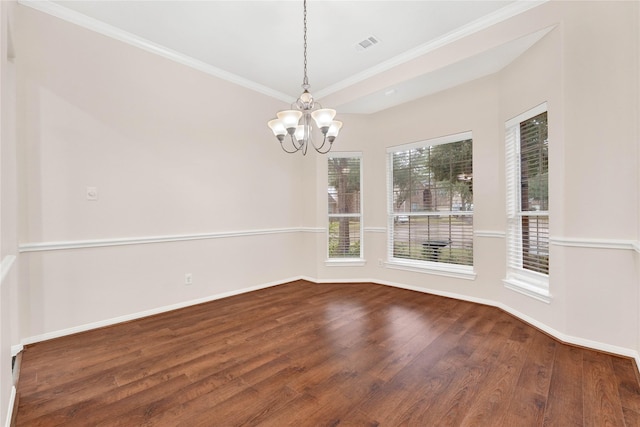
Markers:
point(323, 118)
point(334, 129)
point(278, 128)
point(290, 119)
point(302, 133)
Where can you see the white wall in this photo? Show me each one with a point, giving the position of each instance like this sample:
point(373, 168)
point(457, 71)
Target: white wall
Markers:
point(637, 137)
point(586, 69)
point(176, 153)
point(9, 328)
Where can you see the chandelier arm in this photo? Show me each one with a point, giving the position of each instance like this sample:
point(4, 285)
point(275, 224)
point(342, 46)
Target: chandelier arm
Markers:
point(287, 151)
point(296, 148)
point(319, 150)
point(299, 145)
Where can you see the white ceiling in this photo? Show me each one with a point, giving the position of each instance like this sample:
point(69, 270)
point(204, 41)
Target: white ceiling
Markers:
point(259, 44)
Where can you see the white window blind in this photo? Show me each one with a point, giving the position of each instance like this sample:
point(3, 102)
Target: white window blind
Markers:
point(431, 202)
point(527, 175)
point(344, 206)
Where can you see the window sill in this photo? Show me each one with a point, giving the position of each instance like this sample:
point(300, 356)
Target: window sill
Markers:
point(345, 262)
point(448, 270)
point(532, 288)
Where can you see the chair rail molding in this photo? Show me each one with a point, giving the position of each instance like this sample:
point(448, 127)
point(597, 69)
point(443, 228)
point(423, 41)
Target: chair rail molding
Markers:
point(5, 266)
point(97, 243)
point(596, 243)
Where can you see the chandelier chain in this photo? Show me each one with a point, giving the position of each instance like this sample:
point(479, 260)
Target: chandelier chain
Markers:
point(305, 81)
point(293, 127)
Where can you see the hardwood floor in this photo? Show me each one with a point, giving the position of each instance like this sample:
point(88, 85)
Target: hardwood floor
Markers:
point(304, 354)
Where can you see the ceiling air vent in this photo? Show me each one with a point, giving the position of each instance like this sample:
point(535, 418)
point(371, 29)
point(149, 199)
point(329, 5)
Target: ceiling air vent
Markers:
point(367, 43)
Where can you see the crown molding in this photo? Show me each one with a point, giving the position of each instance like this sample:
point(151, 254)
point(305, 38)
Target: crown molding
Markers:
point(473, 27)
point(61, 12)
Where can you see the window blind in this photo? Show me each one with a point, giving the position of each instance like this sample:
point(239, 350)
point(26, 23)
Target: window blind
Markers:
point(344, 206)
point(431, 201)
point(527, 176)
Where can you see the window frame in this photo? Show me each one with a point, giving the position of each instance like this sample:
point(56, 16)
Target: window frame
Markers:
point(346, 261)
point(528, 282)
point(423, 266)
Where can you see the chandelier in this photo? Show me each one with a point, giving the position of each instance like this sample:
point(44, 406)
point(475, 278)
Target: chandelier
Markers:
point(295, 124)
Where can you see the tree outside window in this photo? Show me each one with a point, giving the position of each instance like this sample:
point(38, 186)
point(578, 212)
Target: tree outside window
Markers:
point(344, 207)
point(432, 201)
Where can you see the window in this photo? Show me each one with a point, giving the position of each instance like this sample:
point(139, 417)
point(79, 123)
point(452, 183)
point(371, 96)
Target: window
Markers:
point(344, 201)
point(431, 204)
point(527, 171)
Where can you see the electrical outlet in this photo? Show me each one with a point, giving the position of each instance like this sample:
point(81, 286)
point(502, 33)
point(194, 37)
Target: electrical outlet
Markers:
point(188, 279)
point(380, 263)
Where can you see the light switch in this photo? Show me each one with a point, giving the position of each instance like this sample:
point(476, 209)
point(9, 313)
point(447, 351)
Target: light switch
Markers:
point(92, 193)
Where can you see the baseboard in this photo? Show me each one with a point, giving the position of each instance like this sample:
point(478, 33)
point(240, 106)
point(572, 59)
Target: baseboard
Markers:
point(560, 336)
point(16, 349)
point(113, 321)
point(11, 409)
point(571, 340)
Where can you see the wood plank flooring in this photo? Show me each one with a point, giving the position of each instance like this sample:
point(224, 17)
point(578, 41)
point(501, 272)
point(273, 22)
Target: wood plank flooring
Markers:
point(304, 354)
